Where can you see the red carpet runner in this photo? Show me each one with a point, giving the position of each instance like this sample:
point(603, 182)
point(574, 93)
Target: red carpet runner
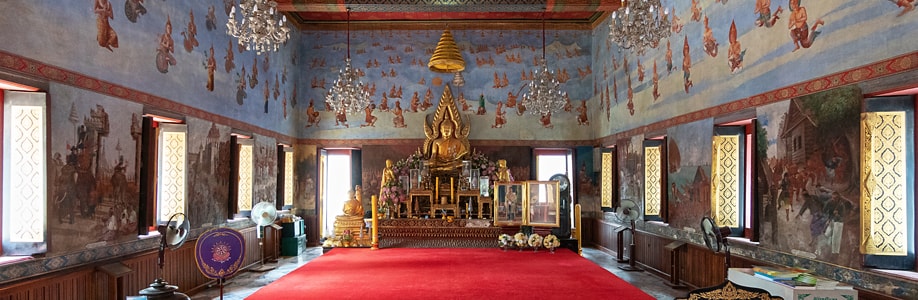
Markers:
point(449, 273)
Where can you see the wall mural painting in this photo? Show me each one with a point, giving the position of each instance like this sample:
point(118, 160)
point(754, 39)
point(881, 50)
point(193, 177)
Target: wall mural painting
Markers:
point(133, 44)
point(689, 166)
point(394, 65)
point(519, 159)
point(208, 172)
point(586, 181)
point(93, 169)
point(307, 172)
point(769, 44)
point(265, 185)
point(807, 165)
point(631, 168)
point(373, 161)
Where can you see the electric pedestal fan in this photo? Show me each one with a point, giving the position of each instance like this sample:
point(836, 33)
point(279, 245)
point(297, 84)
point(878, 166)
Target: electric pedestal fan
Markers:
point(173, 235)
point(714, 237)
point(627, 213)
point(263, 214)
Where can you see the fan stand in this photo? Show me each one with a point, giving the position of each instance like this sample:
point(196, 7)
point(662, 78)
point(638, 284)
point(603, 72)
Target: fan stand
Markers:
point(630, 267)
point(159, 288)
point(261, 247)
point(727, 256)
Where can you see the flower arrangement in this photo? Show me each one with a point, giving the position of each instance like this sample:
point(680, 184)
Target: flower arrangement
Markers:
point(505, 241)
point(403, 167)
point(487, 167)
point(535, 240)
point(392, 193)
point(520, 239)
point(551, 242)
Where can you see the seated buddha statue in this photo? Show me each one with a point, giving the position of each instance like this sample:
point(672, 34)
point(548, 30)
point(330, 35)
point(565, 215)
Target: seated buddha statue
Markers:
point(352, 219)
point(447, 151)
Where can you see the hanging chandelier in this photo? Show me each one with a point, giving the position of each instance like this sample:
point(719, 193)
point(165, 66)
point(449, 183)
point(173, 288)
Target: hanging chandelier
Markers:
point(260, 28)
point(545, 95)
point(348, 95)
point(641, 25)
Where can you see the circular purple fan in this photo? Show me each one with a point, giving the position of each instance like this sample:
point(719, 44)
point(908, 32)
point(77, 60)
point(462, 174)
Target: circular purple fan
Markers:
point(219, 252)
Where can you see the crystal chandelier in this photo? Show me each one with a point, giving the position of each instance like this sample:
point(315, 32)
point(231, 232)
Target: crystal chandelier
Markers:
point(641, 25)
point(259, 28)
point(545, 95)
point(348, 95)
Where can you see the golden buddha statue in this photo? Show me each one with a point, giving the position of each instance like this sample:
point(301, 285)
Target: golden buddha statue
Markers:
point(447, 141)
point(354, 206)
point(352, 219)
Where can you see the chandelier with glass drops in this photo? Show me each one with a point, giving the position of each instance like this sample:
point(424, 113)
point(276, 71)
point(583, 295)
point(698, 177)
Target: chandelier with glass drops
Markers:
point(545, 95)
point(639, 25)
point(261, 28)
point(347, 94)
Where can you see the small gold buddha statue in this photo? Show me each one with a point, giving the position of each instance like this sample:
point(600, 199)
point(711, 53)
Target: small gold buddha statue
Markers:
point(503, 173)
point(352, 219)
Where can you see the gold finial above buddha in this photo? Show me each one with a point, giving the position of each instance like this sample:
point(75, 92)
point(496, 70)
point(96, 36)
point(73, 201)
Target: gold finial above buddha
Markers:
point(447, 141)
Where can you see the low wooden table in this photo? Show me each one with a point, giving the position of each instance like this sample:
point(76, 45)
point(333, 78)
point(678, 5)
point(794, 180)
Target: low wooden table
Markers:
point(473, 196)
point(417, 193)
point(490, 202)
point(444, 207)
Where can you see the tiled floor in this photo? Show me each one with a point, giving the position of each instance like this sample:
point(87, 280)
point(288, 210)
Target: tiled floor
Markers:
point(246, 283)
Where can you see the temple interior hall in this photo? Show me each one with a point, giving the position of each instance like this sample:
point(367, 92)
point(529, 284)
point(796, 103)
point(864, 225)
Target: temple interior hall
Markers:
point(159, 149)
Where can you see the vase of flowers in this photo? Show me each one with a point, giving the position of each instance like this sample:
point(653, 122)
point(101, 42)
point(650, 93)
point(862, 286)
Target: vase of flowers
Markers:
point(535, 240)
point(390, 196)
point(551, 242)
point(505, 241)
point(521, 240)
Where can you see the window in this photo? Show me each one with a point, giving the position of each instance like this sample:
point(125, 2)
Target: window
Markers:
point(732, 184)
point(609, 179)
point(163, 153)
point(25, 187)
point(335, 182)
point(655, 179)
point(285, 176)
point(242, 168)
point(553, 161)
point(888, 183)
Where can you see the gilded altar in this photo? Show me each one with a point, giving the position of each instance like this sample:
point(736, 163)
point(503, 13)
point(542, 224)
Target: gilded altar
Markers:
point(444, 183)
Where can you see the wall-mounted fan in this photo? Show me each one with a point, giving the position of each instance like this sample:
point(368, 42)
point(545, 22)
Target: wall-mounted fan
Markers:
point(628, 212)
point(263, 214)
point(716, 238)
point(173, 234)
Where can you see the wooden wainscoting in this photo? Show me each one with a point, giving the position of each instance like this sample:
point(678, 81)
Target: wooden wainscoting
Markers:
point(602, 235)
point(91, 281)
point(697, 266)
point(312, 230)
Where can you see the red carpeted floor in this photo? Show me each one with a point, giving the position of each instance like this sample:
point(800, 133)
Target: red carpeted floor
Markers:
point(449, 273)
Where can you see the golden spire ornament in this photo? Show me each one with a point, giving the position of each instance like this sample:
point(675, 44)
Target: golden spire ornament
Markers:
point(446, 57)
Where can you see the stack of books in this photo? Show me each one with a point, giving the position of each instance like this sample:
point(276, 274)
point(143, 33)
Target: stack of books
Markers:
point(793, 277)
